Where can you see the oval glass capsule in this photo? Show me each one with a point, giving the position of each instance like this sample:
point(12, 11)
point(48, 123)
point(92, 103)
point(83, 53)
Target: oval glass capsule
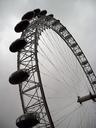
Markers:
point(51, 15)
point(37, 12)
point(21, 26)
point(27, 120)
point(18, 77)
point(17, 45)
point(28, 15)
point(43, 13)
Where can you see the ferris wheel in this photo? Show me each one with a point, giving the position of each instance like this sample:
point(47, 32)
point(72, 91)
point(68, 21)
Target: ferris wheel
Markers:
point(56, 82)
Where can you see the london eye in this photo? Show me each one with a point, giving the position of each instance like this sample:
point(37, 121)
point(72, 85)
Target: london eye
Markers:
point(56, 82)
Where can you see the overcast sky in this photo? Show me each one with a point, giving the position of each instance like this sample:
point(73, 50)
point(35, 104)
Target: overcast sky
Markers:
point(79, 16)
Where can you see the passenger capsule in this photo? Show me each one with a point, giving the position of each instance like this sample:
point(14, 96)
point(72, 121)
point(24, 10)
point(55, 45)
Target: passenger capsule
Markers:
point(62, 29)
point(79, 53)
point(17, 45)
point(68, 36)
point(28, 120)
point(84, 62)
point(94, 82)
point(50, 15)
point(43, 13)
point(21, 26)
point(48, 18)
point(74, 45)
point(56, 22)
point(90, 72)
point(28, 15)
point(36, 12)
point(18, 77)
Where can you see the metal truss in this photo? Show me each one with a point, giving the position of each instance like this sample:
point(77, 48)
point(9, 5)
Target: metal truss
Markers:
point(31, 91)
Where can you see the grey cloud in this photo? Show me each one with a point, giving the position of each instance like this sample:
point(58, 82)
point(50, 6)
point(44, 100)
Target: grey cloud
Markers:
point(77, 15)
